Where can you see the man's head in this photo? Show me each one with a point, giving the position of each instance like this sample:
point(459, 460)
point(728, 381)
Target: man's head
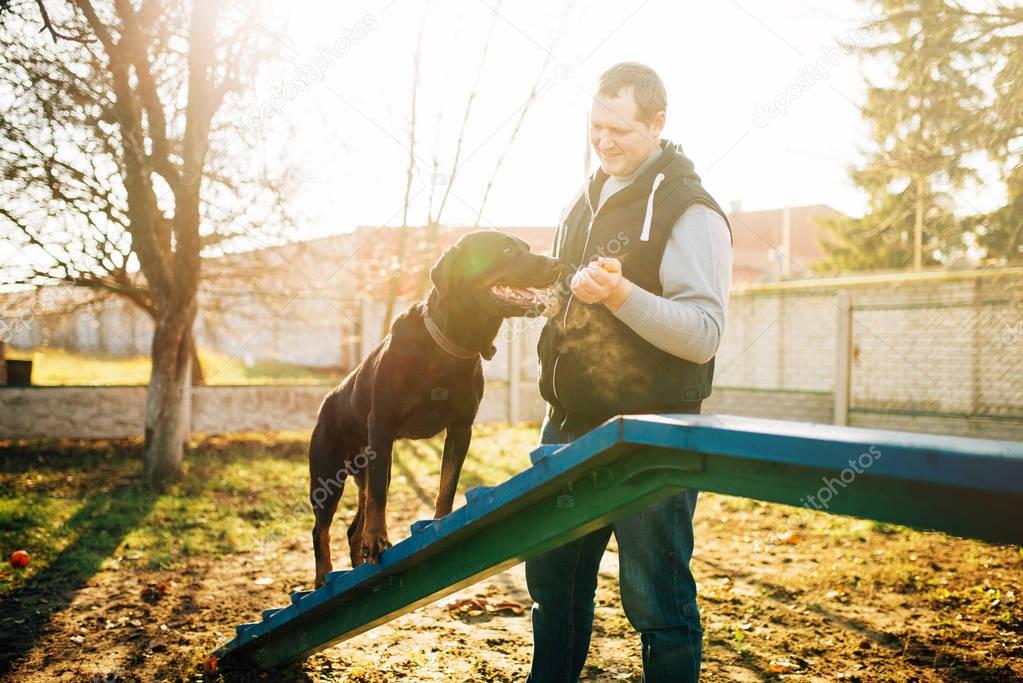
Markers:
point(627, 117)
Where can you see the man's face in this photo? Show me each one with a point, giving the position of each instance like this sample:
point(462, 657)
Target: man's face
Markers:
point(622, 142)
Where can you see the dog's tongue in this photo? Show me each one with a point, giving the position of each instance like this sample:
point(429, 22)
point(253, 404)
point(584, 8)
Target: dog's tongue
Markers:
point(515, 294)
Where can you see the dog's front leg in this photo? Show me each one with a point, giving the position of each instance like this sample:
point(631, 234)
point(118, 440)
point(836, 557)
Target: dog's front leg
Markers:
point(456, 445)
point(374, 532)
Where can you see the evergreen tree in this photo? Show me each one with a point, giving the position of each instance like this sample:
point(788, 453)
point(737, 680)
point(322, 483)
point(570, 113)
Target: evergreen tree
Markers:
point(998, 34)
point(923, 125)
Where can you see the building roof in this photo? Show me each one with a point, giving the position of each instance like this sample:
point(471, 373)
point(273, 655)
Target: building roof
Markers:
point(759, 241)
point(363, 261)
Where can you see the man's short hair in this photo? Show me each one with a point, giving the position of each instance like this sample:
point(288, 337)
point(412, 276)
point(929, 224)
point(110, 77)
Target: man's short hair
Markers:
point(647, 88)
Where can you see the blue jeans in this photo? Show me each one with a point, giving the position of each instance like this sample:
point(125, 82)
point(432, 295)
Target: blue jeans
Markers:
point(658, 591)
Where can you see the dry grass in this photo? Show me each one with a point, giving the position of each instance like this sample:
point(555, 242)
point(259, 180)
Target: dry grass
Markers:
point(126, 585)
point(60, 367)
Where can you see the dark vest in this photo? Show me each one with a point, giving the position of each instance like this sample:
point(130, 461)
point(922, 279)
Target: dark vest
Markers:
point(593, 366)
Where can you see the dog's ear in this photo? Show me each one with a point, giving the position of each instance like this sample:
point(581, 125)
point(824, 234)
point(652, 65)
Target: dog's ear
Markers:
point(442, 274)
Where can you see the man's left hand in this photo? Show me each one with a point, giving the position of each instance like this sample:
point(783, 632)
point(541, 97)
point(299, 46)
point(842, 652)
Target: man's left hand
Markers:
point(602, 282)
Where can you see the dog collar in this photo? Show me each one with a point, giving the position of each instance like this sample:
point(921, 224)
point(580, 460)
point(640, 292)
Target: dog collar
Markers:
point(451, 347)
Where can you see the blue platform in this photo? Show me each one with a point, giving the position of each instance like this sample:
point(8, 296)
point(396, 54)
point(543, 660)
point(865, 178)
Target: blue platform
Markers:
point(969, 487)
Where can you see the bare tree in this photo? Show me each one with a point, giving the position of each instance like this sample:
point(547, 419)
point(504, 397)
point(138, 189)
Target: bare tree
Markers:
point(428, 246)
point(117, 173)
point(396, 272)
point(523, 111)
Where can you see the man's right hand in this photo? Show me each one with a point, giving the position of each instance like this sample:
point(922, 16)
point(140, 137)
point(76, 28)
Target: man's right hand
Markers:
point(601, 282)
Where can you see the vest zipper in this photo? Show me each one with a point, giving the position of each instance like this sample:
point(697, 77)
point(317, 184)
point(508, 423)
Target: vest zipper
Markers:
point(568, 303)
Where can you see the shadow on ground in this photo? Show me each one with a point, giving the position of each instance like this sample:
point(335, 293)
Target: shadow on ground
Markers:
point(98, 527)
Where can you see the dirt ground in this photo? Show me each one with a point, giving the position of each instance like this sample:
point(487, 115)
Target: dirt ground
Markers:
point(785, 594)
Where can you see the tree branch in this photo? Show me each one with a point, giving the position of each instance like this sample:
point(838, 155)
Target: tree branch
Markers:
point(54, 33)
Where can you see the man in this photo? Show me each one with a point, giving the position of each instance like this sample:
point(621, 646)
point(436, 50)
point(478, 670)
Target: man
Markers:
point(649, 255)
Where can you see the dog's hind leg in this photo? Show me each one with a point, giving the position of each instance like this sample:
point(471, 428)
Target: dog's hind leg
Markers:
point(355, 528)
point(326, 484)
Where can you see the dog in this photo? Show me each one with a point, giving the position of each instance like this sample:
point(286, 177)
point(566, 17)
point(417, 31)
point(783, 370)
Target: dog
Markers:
point(426, 376)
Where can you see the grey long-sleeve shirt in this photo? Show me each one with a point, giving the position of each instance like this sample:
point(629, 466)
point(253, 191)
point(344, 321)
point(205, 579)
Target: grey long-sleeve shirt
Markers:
point(688, 319)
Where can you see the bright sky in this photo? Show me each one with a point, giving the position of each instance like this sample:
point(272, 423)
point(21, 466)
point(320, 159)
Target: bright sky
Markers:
point(762, 96)
point(723, 63)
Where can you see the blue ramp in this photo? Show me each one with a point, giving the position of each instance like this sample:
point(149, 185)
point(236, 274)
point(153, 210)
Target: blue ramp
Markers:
point(968, 487)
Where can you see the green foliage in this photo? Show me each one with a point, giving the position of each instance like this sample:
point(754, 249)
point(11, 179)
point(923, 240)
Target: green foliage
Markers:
point(883, 238)
point(952, 92)
point(1000, 232)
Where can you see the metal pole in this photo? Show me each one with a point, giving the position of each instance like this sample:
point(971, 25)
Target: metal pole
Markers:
point(514, 374)
point(843, 357)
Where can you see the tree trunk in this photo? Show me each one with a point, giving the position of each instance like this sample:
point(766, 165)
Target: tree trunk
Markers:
point(432, 252)
point(166, 422)
point(198, 377)
point(395, 282)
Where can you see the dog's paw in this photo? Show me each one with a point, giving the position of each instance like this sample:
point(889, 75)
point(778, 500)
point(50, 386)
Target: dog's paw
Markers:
point(373, 544)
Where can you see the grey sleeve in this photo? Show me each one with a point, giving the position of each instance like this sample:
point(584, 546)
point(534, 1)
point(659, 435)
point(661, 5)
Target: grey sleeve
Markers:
point(688, 320)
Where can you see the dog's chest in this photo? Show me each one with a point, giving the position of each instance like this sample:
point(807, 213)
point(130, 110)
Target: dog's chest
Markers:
point(438, 406)
point(424, 424)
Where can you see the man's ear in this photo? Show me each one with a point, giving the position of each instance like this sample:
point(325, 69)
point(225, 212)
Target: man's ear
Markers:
point(442, 273)
point(657, 124)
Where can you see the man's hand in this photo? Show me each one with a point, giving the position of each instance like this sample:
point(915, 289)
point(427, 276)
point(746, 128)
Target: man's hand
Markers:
point(602, 282)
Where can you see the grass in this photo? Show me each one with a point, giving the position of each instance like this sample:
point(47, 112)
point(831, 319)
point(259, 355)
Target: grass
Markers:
point(776, 582)
point(78, 507)
point(60, 367)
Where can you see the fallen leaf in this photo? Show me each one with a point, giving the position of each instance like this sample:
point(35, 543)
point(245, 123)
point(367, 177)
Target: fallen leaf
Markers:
point(790, 538)
point(154, 591)
point(509, 606)
point(781, 666)
point(467, 604)
point(157, 645)
point(264, 581)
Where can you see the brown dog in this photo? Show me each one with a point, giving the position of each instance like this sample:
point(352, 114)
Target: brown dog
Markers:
point(424, 377)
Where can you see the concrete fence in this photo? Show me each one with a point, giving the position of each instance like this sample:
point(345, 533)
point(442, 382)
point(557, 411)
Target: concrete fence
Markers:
point(927, 352)
point(118, 412)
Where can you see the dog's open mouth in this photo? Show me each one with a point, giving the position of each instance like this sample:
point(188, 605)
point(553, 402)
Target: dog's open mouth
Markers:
point(521, 297)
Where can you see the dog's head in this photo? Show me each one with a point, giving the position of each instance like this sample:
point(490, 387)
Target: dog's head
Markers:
point(496, 272)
